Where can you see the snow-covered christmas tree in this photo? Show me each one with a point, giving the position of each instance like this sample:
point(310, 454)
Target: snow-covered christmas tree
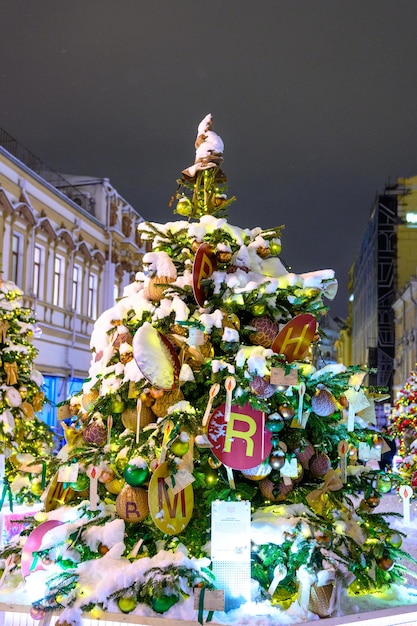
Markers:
point(26, 443)
point(201, 392)
point(403, 421)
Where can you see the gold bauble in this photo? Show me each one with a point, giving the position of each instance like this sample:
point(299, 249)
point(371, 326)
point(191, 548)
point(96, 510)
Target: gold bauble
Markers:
point(130, 418)
point(88, 399)
point(115, 486)
point(27, 410)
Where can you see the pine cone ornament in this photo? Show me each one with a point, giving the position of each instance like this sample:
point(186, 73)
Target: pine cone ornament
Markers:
point(261, 387)
point(95, 433)
point(304, 452)
point(265, 331)
point(323, 402)
point(162, 404)
point(274, 492)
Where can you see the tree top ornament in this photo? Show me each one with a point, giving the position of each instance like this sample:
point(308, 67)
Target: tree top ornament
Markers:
point(203, 185)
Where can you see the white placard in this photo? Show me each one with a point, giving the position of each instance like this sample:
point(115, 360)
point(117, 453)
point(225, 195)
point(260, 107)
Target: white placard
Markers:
point(230, 531)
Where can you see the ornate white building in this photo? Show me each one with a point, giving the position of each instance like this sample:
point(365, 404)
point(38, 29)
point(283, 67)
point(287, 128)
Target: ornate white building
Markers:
point(71, 244)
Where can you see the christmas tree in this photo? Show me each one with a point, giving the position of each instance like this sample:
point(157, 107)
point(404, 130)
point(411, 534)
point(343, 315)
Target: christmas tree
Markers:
point(404, 427)
point(201, 391)
point(26, 441)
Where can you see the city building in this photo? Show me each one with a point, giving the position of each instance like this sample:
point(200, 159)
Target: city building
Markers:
point(386, 262)
point(71, 244)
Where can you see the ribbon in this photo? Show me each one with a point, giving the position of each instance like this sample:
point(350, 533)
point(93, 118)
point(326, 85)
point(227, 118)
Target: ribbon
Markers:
point(201, 607)
point(318, 497)
point(11, 373)
point(6, 491)
point(43, 478)
point(4, 327)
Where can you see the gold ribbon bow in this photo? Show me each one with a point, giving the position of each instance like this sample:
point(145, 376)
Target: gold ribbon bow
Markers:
point(11, 373)
point(317, 499)
point(4, 327)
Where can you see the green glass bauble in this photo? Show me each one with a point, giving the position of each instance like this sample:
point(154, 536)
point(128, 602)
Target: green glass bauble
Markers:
point(274, 426)
point(135, 475)
point(160, 604)
point(179, 448)
point(384, 484)
point(81, 483)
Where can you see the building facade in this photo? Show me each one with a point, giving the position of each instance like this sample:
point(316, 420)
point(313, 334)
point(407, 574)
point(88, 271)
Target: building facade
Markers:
point(385, 264)
point(71, 245)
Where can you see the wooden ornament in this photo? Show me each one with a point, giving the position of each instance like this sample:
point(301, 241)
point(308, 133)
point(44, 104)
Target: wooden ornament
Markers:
point(132, 504)
point(171, 511)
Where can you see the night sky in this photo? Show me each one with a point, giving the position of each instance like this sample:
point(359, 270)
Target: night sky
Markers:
point(315, 100)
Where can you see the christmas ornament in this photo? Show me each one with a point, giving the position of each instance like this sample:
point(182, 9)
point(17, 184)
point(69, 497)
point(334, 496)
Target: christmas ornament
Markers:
point(205, 263)
point(384, 483)
point(81, 483)
point(261, 387)
point(136, 472)
point(394, 540)
point(126, 604)
point(27, 410)
point(157, 287)
point(184, 206)
point(319, 465)
point(277, 460)
point(169, 398)
point(89, 398)
point(259, 472)
point(242, 442)
point(156, 358)
point(385, 563)
point(95, 433)
point(37, 612)
point(170, 510)
point(295, 338)
point(275, 492)
point(286, 411)
point(304, 452)
point(130, 417)
point(161, 604)
point(13, 397)
point(323, 402)
point(106, 475)
point(320, 601)
point(265, 331)
point(114, 486)
point(132, 504)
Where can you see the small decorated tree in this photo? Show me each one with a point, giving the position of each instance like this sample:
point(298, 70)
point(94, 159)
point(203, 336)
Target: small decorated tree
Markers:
point(404, 427)
point(26, 442)
point(201, 390)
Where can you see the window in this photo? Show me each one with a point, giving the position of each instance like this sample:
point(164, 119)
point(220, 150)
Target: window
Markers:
point(76, 289)
point(58, 296)
point(37, 266)
point(92, 296)
point(17, 248)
